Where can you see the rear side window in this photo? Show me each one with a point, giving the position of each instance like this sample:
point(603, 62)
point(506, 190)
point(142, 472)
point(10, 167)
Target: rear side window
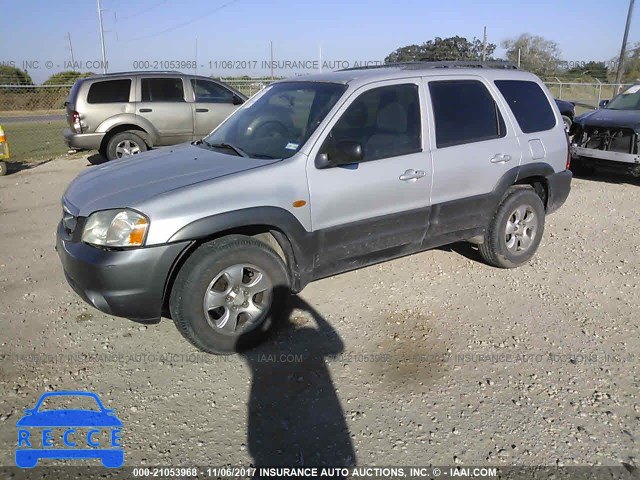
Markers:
point(529, 105)
point(162, 90)
point(464, 112)
point(210, 92)
point(110, 91)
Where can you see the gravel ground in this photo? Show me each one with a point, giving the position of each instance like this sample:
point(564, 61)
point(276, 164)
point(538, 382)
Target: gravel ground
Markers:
point(430, 359)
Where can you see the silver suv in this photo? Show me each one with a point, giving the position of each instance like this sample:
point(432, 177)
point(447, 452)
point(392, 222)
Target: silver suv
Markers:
point(124, 114)
point(312, 177)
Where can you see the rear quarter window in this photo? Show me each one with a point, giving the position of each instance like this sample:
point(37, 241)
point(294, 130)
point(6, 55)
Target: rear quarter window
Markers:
point(109, 91)
point(529, 105)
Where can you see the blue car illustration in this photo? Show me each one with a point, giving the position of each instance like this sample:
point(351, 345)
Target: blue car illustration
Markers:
point(32, 448)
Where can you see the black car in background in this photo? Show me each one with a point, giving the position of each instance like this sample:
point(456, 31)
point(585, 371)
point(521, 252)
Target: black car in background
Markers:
point(568, 111)
point(608, 139)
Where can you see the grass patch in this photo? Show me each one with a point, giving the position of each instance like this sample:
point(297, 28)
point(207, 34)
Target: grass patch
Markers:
point(35, 140)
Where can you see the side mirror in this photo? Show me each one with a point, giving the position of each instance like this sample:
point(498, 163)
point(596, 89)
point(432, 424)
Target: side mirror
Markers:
point(344, 152)
point(603, 103)
point(237, 100)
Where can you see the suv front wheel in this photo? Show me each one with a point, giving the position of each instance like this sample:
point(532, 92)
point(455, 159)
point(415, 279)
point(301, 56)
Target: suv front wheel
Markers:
point(229, 294)
point(515, 230)
point(124, 144)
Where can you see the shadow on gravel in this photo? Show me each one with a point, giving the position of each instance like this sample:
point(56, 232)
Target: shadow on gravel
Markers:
point(96, 159)
point(15, 167)
point(608, 177)
point(295, 417)
point(466, 249)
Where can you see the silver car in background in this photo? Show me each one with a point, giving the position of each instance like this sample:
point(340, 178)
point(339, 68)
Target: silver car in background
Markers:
point(123, 114)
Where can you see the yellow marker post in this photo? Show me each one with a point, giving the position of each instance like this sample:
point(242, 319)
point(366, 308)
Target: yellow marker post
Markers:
point(4, 151)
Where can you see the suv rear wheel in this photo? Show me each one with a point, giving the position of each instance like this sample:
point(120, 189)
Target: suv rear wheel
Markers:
point(229, 294)
point(516, 229)
point(124, 144)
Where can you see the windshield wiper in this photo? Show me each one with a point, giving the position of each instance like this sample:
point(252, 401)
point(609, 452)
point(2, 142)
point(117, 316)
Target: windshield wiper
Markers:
point(227, 146)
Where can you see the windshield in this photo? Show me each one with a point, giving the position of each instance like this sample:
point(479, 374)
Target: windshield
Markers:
point(278, 123)
point(627, 100)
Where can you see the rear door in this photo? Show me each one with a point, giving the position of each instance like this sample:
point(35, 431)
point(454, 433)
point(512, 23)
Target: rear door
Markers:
point(163, 103)
point(475, 145)
point(537, 125)
point(212, 104)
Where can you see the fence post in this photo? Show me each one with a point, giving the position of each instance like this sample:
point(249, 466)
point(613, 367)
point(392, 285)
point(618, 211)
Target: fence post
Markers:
point(599, 94)
point(560, 92)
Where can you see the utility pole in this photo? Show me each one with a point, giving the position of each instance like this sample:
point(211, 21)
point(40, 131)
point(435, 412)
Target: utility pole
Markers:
point(104, 58)
point(518, 58)
point(484, 45)
point(73, 63)
point(624, 47)
point(271, 43)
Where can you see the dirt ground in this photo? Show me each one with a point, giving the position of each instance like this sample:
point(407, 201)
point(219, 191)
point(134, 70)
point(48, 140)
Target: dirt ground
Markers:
point(431, 359)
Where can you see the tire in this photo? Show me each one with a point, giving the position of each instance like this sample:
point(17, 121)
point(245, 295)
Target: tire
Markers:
point(521, 211)
point(124, 144)
point(3, 169)
point(567, 122)
point(215, 304)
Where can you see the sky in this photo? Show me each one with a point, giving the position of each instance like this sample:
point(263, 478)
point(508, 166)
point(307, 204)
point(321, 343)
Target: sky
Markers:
point(217, 36)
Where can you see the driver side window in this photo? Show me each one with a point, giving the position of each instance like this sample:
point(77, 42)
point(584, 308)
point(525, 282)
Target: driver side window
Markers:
point(384, 121)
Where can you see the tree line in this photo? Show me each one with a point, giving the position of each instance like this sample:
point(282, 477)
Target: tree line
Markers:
point(534, 54)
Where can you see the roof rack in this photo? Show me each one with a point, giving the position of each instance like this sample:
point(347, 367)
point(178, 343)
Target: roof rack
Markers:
point(424, 64)
point(134, 72)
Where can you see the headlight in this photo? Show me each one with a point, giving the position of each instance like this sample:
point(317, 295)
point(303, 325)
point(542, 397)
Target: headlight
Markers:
point(115, 228)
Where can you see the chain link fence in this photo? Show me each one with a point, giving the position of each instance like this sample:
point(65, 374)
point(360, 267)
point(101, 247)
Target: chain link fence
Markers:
point(585, 95)
point(33, 116)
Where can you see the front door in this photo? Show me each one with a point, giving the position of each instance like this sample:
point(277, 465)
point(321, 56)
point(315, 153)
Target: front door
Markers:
point(213, 104)
point(375, 208)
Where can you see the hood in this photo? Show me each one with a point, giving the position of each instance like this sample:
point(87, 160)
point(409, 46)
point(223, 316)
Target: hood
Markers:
point(131, 180)
point(605, 117)
point(69, 418)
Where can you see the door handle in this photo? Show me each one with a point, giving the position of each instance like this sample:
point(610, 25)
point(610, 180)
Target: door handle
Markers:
point(202, 110)
point(145, 110)
point(500, 158)
point(412, 175)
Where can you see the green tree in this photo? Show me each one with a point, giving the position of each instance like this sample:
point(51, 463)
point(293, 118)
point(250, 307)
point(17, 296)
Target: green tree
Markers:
point(66, 78)
point(452, 48)
point(537, 54)
point(590, 69)
point(631, 67)
point(14, 76)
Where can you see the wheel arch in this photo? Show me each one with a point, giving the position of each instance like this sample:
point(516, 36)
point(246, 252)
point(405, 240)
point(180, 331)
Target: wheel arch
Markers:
point(533, 174)
point(127, 127)
point(278, 229)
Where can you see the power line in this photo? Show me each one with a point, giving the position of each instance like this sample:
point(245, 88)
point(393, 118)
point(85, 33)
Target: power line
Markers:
point(145, 10)
point(184, 24)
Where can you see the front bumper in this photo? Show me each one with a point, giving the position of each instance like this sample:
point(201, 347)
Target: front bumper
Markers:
point(631, 158)
point(559, 185)
point(123, 283)
point(83, 141)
